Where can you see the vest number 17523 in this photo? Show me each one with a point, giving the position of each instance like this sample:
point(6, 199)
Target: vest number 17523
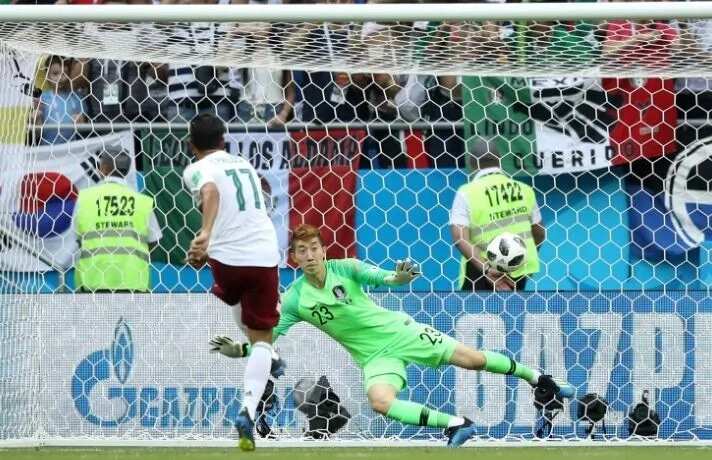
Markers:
point(112, 206)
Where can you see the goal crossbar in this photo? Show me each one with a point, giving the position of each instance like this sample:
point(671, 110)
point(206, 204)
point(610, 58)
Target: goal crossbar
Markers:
point(438, 39)
point(373, 12)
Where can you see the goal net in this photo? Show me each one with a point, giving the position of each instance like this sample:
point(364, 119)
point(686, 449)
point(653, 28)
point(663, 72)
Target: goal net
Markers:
point(365, 121)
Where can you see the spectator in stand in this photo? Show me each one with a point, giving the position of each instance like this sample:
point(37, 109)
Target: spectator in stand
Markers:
point(193, 90)
point(269, 95)
point(197, 89)
point(694, 95)
point(123, 91)
point(326, 96)
point(490, 36)
point(391, 97)
point(383, 146)
point(331, 97)
point(646, 44)
point(645, 110)
point(412, 98)
point(438, 100)
point(59, 103)
point(103, 2)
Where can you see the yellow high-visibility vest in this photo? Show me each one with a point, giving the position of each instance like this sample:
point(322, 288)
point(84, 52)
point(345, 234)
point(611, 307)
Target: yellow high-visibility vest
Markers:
point(500, 204)
point(112, 224)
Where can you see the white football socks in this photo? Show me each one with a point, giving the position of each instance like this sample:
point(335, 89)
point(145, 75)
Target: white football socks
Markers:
point(256, 375)
point(535, 377)
point(456, 420)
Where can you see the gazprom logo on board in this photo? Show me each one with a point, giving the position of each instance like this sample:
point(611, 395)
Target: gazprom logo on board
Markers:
point(104, 396)
point(122, 351)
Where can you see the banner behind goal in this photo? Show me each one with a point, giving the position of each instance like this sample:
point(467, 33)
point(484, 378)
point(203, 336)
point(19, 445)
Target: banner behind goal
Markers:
point(366, 126)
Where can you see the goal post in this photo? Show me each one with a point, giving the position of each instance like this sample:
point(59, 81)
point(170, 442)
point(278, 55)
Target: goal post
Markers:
point(365, 120)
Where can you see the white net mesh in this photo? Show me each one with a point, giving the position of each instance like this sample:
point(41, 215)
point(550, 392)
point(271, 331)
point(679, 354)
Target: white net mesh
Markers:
point(364, 130)
point(530, 48)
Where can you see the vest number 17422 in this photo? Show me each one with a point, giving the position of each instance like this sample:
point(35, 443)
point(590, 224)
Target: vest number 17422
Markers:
point(507, 192)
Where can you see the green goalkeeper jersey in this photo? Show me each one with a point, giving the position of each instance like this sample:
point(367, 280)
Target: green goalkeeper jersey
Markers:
point(343, 310)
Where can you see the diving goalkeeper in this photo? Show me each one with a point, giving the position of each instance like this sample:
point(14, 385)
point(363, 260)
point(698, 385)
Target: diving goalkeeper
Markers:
point(330, 296)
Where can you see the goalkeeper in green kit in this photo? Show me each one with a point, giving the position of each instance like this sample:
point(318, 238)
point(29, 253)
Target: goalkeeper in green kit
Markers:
point(330, 296)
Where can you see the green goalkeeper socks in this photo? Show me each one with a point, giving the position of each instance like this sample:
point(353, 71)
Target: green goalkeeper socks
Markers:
point(497, 363)
point(417, 414)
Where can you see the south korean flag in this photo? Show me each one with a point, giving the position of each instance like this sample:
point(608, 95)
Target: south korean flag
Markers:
point(688, 193)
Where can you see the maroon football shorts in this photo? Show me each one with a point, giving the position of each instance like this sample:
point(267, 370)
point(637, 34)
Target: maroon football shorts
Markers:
point(256, 288)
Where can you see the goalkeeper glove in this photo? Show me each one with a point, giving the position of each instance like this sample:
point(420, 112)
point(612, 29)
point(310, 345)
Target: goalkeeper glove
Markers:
point(406, 271)
point(225, 346)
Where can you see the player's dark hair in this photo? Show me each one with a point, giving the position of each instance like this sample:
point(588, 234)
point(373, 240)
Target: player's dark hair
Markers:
point(304, 232)
point(116, 161)
point(488, 160)
point(206, 132)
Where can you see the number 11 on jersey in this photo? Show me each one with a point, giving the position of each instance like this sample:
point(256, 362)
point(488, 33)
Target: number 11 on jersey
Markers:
point(236, 175)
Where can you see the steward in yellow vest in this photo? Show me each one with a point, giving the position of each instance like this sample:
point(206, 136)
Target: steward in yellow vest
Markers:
point(490, 204)
point(114, 225)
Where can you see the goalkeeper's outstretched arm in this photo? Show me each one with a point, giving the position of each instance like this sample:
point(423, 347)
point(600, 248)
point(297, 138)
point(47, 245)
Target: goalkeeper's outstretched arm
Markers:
point(288, 317)
point(406, 271)
point(370, 275)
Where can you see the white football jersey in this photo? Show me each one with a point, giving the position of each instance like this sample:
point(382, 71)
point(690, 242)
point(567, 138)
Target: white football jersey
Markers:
point(243, 234)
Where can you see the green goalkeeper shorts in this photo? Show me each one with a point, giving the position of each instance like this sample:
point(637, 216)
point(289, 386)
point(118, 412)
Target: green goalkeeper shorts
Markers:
point(416, 344)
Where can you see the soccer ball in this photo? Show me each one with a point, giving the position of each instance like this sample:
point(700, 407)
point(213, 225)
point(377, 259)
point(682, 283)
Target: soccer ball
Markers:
point(507, 252)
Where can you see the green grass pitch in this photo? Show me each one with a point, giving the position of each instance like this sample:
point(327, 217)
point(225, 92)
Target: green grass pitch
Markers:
point(360, 453)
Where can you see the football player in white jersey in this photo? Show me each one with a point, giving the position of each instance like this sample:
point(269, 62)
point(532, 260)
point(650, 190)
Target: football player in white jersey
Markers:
point(239, 242)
